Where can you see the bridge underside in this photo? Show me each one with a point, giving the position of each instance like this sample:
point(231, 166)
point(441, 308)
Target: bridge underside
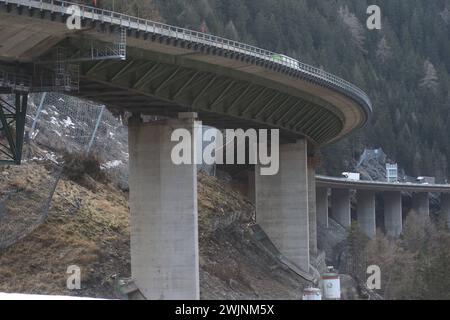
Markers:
point(163, 76)
point(148, 87)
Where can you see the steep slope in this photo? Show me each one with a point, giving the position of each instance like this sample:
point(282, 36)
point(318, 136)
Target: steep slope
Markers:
point(89, 227)
point(94, 237)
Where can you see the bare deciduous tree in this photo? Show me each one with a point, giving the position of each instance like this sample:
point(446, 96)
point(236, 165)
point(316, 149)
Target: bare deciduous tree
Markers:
point(430, 79)
point(354, 26)
point(384, 51)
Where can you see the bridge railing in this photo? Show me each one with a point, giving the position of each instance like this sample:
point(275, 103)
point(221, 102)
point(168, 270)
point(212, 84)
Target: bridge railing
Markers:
point(145, 25)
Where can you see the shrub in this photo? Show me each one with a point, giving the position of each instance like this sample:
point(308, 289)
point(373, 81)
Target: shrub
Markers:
point(79, 165)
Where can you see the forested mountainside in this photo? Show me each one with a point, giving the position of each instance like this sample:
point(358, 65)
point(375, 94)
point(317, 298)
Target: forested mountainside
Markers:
point(404, 67)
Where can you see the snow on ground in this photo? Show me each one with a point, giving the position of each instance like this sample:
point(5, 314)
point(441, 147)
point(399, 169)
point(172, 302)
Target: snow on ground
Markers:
point(112, 164)
point(54, 121)
point(68, 122)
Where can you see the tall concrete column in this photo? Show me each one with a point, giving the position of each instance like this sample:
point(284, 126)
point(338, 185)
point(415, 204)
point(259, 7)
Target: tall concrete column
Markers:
point(322, 206)
point(445, 207)
point(421, 204)
point(393, 220)
point(282, 204)
point(340, 206)
point(312, 210)
point(365, 209)
point(163, 203)
point(251, 186)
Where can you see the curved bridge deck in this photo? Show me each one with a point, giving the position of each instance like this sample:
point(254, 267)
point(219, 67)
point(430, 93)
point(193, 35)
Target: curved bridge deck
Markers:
point(170, 69)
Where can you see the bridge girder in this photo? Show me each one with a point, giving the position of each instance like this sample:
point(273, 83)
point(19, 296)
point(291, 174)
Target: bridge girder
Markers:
point(138, 83)
point(181, 75)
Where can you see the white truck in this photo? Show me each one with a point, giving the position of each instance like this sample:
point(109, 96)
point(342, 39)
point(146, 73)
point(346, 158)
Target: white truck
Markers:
point(351, 176)
point(286, 61)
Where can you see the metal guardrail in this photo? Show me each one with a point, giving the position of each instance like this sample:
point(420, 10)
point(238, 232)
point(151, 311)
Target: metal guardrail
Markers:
point(162, 29)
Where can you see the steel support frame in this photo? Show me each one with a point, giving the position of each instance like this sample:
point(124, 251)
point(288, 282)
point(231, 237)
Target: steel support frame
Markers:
point(12, 120)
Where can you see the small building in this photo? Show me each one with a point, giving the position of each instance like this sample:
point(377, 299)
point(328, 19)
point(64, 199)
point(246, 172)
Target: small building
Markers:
point(391, 172)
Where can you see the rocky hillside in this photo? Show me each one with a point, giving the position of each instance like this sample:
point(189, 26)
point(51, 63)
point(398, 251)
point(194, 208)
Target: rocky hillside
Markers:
point(88, 225)
point(86, 222)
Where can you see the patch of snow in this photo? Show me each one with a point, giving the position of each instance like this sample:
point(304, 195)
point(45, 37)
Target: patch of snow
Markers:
point(112, 164)
point(54, 121)
point(68, 123)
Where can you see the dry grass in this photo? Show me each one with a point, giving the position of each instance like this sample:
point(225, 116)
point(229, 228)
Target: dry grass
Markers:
point(95, 237)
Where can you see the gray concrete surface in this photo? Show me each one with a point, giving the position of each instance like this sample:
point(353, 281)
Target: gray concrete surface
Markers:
point(312, 210)
point(163, 203)
point(365, 209)
point(393, 219)
point(322, 206)
point(282, 204)
point(340, 206)
point(251, 186)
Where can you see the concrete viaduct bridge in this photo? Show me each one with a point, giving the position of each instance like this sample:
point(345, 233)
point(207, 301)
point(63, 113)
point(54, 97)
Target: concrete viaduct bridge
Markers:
point(365, 199)
point(147, 68)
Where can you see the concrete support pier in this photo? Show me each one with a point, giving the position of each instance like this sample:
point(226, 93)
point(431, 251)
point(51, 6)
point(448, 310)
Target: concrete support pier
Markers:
point(393, 220)
point(163, 203)
point(421, 204)
point(282, 204)
point(365, 209)
point(340, 206)
point(312, 210)
point(445, 207)
point(251, 186)
point(322, 206)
